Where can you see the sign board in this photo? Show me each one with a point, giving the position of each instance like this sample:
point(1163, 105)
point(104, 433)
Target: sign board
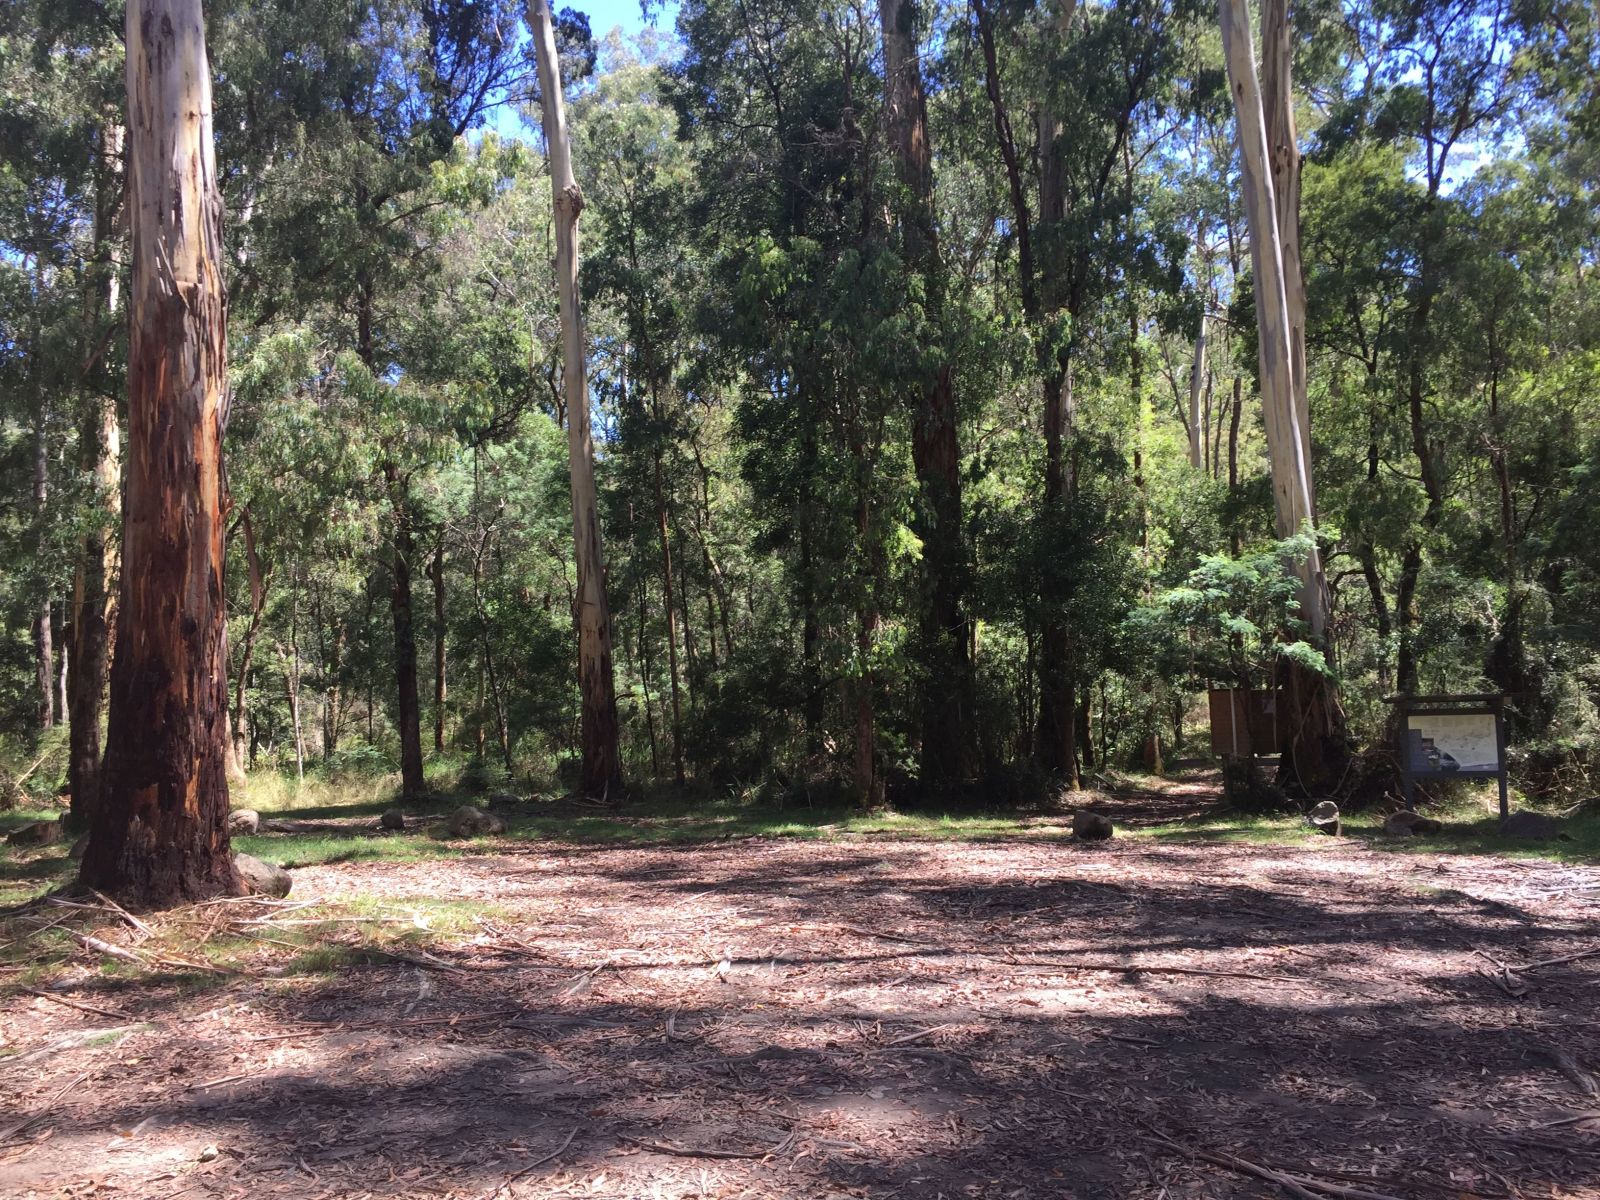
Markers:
point(1452, 743)
point(1451, 737)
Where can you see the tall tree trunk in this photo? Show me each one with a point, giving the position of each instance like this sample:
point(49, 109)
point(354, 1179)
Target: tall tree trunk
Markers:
point(1283, 160)
point(436, 573)
point(945, 632)
point(1199, 421)
point(160, 833)
point(644, 682)
point(1055, 742)
point(502, 731)
point(672, 622)
point(601, 774)
point(43, 655)
point(291, 676)
point(99, 448)
point(1315, 743)
point(408, 711)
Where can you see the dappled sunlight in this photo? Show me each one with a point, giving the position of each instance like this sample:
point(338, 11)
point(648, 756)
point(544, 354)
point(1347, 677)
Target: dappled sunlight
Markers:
point(801, 1018)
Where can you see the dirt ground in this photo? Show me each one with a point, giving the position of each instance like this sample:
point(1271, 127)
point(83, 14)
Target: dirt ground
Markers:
point(865, 1018)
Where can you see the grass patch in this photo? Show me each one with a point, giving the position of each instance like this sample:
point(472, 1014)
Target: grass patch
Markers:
point(1471, 820)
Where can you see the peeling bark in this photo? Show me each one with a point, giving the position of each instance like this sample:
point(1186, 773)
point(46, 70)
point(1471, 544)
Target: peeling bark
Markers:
point(160, 833)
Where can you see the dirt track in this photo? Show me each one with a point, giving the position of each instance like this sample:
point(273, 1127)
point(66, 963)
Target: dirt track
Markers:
point(862, 1018)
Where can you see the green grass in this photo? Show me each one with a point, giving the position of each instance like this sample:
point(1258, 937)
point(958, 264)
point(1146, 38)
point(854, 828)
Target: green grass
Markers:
point(1471, 827)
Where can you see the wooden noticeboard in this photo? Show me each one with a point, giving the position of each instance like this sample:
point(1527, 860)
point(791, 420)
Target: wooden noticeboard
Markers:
point(1451, 737)
point(1244, 722)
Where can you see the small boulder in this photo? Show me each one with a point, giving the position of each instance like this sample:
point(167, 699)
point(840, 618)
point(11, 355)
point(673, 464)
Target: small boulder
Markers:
point(244, 820)
point(393, 818)
point(468, 821)
point(1324, 818)
point(261, 878)
point(1406, 823)
point(1532, 826)
point(36, 833)
point(1090, 826)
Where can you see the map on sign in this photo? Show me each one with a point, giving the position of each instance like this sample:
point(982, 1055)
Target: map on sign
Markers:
point(1448, 743)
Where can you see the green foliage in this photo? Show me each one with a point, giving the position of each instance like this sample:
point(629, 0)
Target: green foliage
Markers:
point(760, 327)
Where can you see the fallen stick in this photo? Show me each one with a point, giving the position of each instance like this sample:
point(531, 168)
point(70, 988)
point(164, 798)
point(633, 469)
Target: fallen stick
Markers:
point(348, 1026)
point(692, 1152)
point(99, 946)
point(536, 1163)
point(918, 1035)
point(1123, 968)
point(1298, 1186)
point(124, 913)
point(1292, 1186)
point(1555, 962)
point(17, 1127)
point(1574, 1119)
point(81, 1007)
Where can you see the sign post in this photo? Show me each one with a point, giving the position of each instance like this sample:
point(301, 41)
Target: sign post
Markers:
point(1451, 737)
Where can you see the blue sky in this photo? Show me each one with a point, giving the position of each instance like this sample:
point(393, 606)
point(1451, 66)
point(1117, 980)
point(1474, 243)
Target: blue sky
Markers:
point(604, 16)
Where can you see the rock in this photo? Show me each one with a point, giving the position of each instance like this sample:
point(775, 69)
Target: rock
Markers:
point(1535, 827)
point(36, 833)
point(468, 821)
point(393, 818)
point(79, 846)
point(1406, 823)
point(244, 820)
point(1090, 826)
point(261, 878)
point(1324, 818)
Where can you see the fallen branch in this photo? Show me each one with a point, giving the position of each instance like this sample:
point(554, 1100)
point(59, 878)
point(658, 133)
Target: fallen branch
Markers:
point(124, 913)
point(1126, 969)
point(100, 946)
point(81, 1007)
point(1298, 1186)
point(16, 1127)
point(1574, 1119)
point(918, 1035)
point(692, 1152)
point(1555, 962)
point(536, 1163)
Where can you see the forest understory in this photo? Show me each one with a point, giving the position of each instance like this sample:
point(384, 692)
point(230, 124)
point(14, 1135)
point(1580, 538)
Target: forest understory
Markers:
point(856, 1016)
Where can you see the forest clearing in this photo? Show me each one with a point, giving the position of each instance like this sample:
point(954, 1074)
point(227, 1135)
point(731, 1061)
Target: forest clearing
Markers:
point(837, 1014)
point(800, 598)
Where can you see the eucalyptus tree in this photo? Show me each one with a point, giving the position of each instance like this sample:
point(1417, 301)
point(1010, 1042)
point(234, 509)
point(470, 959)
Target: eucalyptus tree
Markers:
point(601, 772)
point(944, 625)
point(1314, 735)
point(160, 831)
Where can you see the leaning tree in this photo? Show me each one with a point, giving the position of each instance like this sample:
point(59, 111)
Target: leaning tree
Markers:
point(160, 830)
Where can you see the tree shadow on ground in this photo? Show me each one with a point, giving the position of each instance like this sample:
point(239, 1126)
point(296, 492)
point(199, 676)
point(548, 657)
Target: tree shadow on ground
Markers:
point(883, 1020)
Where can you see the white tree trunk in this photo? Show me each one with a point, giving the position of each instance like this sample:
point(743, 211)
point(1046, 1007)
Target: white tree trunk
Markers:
point(1283, 157)
point(602, 763)
point(1197, 389)
point(1288, 440)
